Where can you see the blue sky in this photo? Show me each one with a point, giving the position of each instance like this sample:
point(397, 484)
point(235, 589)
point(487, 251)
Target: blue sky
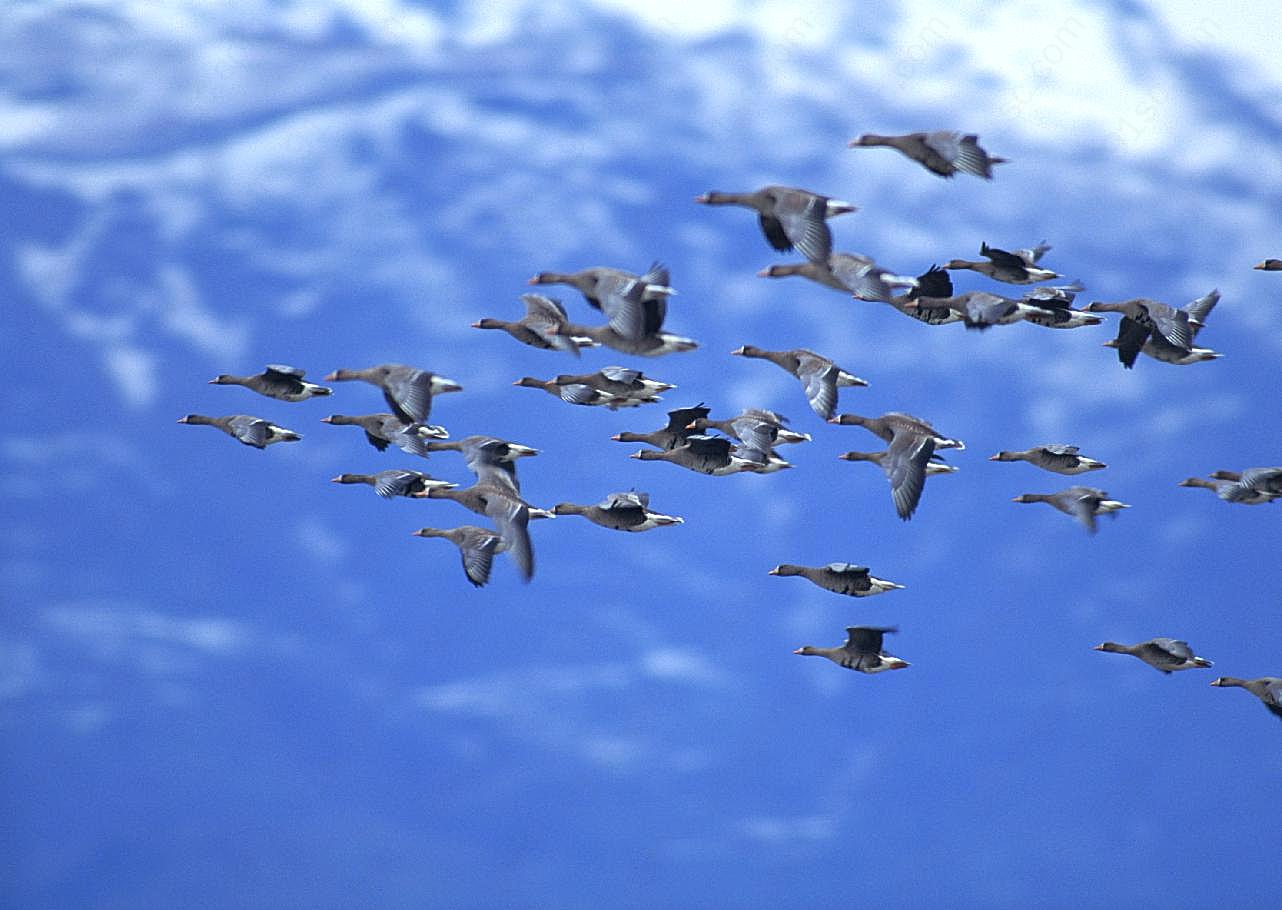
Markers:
point(225, 681)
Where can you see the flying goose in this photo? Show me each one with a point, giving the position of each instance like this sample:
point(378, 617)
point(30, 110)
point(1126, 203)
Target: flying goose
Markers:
point(396, 482)
point(407, 390)
point(544, 326)
point(252, 431)
point(477, 547)
point(1269, 265)
point(789, 217)
point(1061, 459)
point(491, 459)
point(853, 273)
point(620, 381)
point(1267, 689)
point(1083, 503)
point(862, 651)
point(887, 425)
point(820, 377)
point(581, 393)
point(1018, 267)
point(277, 380)
point(1144, 317)
point(839, 577)
point(1165, 654)
point(942, 152)
point(716, 456)
point(598, 284)
point(980, 309)
point(756, 428)
point(383, 429)
point(620, 512)
point(672, 435)
point(1135, 338)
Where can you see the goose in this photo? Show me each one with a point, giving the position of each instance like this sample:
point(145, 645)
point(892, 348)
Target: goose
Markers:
point(919, 302)
point(819, 376)
point(407, 390)
point(852, 273)
point(1061, 459)
point(980, 309)
point(491, 459)
point(277, 380)
point(942, 152)
point(543, 326)
point(756, 428)
point(383, 429)
point(862, 651)
point(252, 431)
point(1056, 299)
point(1230, 490)
point(1135, 338)
point(673, 434)
point(887, 425)
point(789, 217)
point(1267, 689)
point(1055, 293)
point(620, 512)
point(1083, 503)
point(716, 456)
point(620, 381)
point(1165, 654)
point(477, 547)
point(511, 516)
point(840, 578)
point(906, 463)
point(1267, 481)
point(598, 283)
point(1144, 317)
point(396, 482)
point(580, 393)
point(653, 345)
point(1269, 265)
point(933, 467)
point(1018, 267)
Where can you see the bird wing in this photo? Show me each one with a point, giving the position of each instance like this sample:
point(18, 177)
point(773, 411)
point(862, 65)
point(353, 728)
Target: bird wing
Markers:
point(1081, 503)
point(408, 393)
point(1200, 309)
point(512, 518)
point(395, 482)
point(1001, 257)
point(905, 466)
point(1131, 336)
point(1171, 324)
point(252, 431)
point(801, 216)
point(865, 639)
point(477, 550)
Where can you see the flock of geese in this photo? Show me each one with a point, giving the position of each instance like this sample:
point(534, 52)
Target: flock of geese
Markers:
point(635, 308)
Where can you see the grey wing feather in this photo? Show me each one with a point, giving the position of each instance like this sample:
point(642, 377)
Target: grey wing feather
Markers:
point(905, 467)
point(410, 395)
point(395, 482)
point(250, 430)
point(285, 370)
point(512, 518)
point(477, 551)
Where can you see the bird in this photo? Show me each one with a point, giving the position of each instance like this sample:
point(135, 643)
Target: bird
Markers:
point(885, 427)
point(635, 322)
point(407, 390)
point(1055, 457)
point(862, 651)
point(1018, 267)
point(840, 578)
point(789, 217)
point(544, 326)
point(491, 459)
point(1083, 503)
point(621, 381)
point(980, 309)
point(820, 377)
point(906, 462)
point(1134, 338)
point(477, 547)
point(671, 435)
point(942, 152)
point(1144, 317)
point(1269, 265)
point(384, 429)
point(1230, 490)
point(511, 516)
point(1267, 689)
point(919, 302)
point(252, 431)
point(1056, 300)
point(581, 393)
point(653, 345)
point(396, 482)
point(598, 283)
point(852, 273)
point(754, 427)
point(620, 512)
point(714, 455)
point(277, 380)
point(1165, 654)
